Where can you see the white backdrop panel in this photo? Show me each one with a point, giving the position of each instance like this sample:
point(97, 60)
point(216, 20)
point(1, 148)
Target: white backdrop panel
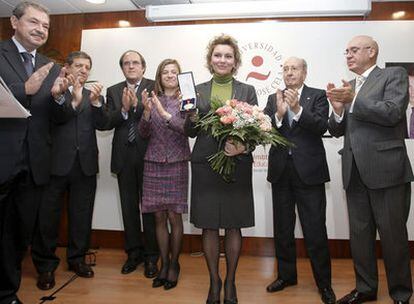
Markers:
point(264, 47)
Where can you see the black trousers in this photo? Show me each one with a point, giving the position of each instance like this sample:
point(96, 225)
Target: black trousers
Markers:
point(310, 200)
point(19, 201)
point(137, 243)
point(385, 210)
point(82, 190)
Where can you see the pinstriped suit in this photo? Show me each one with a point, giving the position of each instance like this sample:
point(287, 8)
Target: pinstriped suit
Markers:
point(376, 176)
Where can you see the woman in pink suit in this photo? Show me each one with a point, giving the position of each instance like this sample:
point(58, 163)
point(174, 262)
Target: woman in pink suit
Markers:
point(165, 184)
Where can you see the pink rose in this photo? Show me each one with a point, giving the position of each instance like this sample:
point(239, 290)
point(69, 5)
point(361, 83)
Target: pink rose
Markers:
point(227, 119)
point(265, 126)
point(232, 102)
point(224, 110)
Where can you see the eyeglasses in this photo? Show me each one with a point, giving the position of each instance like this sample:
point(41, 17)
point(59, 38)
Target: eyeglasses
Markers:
point(291, 68)
point(133, 63)
point(354, 50)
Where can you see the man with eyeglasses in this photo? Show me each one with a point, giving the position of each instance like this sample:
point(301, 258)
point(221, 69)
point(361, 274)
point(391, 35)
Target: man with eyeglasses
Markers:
point(370, 113)
point(127, 162)
point(298, 175)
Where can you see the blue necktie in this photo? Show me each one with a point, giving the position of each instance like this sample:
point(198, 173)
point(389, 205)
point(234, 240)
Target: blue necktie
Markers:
point(131, 125)
point(28, 63)
point(290, 116)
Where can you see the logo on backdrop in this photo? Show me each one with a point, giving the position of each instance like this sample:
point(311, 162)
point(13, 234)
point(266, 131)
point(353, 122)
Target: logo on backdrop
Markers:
point(262, 68)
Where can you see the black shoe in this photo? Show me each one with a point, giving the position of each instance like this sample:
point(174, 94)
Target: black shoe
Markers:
point(327, 295)
point(45, 281)
point(280, 284)
point(401, 302)
point(210, 301)
point(151, 269)
point(172, 284)
point(233, 300)
point(356, 297)
point(158, 282)
point(82, 269)
point(131, 264)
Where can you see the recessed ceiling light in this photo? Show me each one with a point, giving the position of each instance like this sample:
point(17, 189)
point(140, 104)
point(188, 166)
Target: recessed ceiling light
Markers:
point(124, 23)
point(96, 1)
point(398, 15)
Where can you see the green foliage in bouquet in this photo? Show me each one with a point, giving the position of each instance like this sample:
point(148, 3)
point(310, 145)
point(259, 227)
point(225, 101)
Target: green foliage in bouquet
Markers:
point(241, 122)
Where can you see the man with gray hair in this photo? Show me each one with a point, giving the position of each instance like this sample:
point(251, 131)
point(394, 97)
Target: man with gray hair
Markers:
point(24, 143)
point(370, 112)
point(298, 175)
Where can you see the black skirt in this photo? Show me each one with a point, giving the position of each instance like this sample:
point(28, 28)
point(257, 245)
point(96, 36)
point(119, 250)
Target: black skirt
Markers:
point(217, 204)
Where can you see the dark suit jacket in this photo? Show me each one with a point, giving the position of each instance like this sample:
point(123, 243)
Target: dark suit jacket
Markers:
point(35, 129)
point(308, 155)
point(205, 144)
point(375, 130)
point(74, 133)
point(116, 120)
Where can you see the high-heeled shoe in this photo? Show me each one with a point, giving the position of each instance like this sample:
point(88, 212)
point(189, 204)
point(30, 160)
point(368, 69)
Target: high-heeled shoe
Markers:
point(172, 284)
point(213, 302)
point(210, 301)
point(233, 300)
point(158, 282)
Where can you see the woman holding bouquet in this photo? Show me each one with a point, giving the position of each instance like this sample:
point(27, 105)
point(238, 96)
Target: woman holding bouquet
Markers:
point(165, 183)
point(216, 203)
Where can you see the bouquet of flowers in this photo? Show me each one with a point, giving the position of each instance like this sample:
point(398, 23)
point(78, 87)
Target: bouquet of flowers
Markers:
point(240, 122)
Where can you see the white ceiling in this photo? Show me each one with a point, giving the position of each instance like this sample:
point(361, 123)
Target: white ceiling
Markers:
point(82, 6)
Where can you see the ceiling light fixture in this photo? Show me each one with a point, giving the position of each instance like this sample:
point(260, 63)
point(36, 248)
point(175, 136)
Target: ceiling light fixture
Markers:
point(398, 15)
point(256, 9)
point(96, 1)
point(124, 23)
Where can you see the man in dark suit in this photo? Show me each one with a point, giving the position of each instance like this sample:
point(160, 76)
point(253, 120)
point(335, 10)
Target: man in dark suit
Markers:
point(76, 115)
point(298, 175)
point(370, 113)
point(127, 162)
point(24, 143)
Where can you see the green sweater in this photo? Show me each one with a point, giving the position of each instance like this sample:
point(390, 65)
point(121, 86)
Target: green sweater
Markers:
point(222, 87)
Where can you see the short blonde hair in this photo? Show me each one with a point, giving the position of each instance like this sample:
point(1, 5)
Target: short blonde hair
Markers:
point(226, 40)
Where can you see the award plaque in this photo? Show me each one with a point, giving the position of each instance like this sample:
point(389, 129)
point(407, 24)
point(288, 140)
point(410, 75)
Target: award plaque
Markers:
point(188, 91)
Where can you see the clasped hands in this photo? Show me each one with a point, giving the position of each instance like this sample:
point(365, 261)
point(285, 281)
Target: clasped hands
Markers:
point(152, 101)
point(285, 99)
point(63, 82)
point(340, 96)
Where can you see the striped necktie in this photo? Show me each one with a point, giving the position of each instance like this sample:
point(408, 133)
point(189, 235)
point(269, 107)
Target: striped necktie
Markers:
point(359, 81)
point(28, 63)
point(132, 134)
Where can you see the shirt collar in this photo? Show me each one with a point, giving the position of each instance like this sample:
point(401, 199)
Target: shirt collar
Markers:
point(367, 72)
point(132, 86)
point(300, 89)
point(21, 48)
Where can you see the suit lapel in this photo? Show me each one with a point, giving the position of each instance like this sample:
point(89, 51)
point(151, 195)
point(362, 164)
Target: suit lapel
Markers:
point(236, 94)
point(305, 97)
point(205, 96)
point(370, 81)
point(40, 61)
point(85, 101)
point(141, 88)
point(12, 55)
